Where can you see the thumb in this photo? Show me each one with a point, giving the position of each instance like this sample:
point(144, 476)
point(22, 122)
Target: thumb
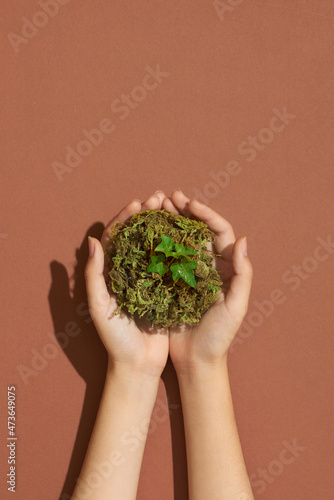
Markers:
point(238, 294)
point(99, 299)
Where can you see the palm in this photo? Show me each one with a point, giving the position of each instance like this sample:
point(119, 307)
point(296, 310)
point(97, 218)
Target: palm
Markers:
point(133, 345)
point(205, 340)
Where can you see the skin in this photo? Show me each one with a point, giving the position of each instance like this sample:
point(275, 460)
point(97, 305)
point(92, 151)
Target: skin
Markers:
point(136, 359)
point(216, 467)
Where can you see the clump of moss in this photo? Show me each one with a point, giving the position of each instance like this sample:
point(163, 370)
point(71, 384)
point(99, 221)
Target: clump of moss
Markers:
point(163, 301)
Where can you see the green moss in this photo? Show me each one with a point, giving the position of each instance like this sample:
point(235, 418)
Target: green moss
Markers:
point(163, 301)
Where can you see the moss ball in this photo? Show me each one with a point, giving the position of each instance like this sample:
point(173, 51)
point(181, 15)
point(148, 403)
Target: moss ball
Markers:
point(160, 299)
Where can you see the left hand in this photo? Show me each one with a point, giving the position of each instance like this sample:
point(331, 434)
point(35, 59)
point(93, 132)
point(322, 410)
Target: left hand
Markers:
point(131, 351)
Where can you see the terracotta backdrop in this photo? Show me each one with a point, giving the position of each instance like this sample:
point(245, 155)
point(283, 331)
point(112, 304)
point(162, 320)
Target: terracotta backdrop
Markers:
point(230, 101)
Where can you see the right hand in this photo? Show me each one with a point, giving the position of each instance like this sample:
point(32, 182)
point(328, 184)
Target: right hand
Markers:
point(207, 342)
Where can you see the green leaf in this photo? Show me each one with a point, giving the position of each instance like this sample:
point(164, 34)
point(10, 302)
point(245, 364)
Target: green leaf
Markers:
point(170, 249)
point(184, 270)
point(181, 250)
point(157, 265)
point(155, 259)
point(166, 246)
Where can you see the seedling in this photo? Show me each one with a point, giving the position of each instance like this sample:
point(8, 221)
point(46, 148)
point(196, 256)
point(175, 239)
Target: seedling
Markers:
point(181, 269)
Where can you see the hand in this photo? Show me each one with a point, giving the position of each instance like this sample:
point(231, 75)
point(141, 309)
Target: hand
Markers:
point(130, 349)
point(207, 342)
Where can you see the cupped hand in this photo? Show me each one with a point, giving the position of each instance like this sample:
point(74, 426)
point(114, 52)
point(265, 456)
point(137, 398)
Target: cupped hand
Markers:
point(208, 341)
point(132, 349)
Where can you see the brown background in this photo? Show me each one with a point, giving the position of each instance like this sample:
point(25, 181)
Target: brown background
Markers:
point(226, 75)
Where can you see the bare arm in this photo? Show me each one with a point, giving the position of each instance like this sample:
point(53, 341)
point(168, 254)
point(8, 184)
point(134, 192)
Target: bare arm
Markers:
point(216, 467)
point(136, 358)
point(113, 460)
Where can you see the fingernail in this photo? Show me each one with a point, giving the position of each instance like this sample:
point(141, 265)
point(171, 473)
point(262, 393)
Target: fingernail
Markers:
point(177, 189)
point(244, 246)
point(159, 191)
point(91, 246)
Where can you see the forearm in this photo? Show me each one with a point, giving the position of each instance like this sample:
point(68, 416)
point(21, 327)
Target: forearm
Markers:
point(113, 460)
point(216, 466)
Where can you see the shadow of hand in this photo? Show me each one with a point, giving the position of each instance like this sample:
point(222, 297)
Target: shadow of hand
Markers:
point(77, 336)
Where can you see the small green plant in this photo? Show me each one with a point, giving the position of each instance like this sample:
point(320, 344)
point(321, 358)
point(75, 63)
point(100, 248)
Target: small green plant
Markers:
point(181, 269)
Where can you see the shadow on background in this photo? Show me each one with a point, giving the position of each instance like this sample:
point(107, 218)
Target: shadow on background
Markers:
point(68, 303)
point(84, 349)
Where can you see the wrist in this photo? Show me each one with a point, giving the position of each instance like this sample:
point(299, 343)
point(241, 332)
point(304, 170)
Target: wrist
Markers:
point(202, 374)
point(205, 386)
point(130, 378)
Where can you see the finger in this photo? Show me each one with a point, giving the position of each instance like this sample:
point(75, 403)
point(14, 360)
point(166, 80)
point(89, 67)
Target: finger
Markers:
point(224, 234)
point(216, 223)
point(154, 201)
point(180, 201)
point(237, 296)
point(161, 195)
point(99, 300)
point(128, 211)
point(168, 205)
